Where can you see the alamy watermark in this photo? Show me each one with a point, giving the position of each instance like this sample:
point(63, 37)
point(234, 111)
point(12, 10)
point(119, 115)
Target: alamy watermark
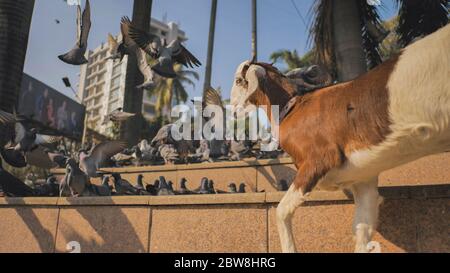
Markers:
point(215, 123)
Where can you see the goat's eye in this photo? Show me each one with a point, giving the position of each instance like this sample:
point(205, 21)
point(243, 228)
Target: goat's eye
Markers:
point(238, 81)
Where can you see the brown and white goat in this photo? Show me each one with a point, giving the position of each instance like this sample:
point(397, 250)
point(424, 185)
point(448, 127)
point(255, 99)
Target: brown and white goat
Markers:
point(343, 136)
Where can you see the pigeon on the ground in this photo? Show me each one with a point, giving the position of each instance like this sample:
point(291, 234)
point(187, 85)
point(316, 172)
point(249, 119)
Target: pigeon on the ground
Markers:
point(211, 188)
point(169, 148)
point(168, 152)
point(232, 188)
point(153, 188)
point(164, 188)
point(76, 55)
point(242, 188)
point(12, 186)
point(282, 185)
point(166, 55)
point(92, 161)
point(49, 188)
point(140, 185)
point(75, 182)
point(203, 189)
point(104, 189)
point(122, 186)
point(183, 189)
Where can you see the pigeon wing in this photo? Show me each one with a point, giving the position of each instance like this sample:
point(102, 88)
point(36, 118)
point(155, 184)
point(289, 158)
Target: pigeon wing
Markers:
point(122, 116)
point(125, 29)
point(181, 55)
point(46, 139)
point(212, 97)
point(39, 158)
point(85, 25)
point(141, 37)
point(113, 45)
point(162, 135)
point(78, 25)
point(6, 117)
point(106, 150)
point(19, 131)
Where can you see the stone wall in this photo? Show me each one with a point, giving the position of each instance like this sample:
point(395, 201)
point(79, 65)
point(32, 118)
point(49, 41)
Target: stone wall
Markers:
point(413, 218)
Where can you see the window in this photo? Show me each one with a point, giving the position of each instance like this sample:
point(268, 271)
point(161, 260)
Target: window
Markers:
point(101, 66)
point(113, 106)
point(115, 82)
point(114, 94)
point(116, 70)
point(97, 100)
point(99, 88)
point(100, 77)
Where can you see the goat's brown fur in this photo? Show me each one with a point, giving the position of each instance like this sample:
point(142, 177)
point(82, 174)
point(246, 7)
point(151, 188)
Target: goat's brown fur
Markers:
point(326, 126)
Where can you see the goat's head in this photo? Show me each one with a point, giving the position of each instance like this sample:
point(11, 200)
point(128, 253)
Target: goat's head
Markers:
point(246, 86)
point(259, 84)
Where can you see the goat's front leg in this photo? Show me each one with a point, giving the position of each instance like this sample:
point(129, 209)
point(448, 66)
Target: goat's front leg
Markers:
point(285, 210)
point(365, 220)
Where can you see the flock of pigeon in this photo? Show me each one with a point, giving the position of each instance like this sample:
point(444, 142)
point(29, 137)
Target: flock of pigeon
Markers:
point(136, 43)
point(21, 146)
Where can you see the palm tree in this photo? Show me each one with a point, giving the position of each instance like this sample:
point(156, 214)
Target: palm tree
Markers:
point(15, 21)
point(292, 59)
point(212, 30)
point(347, 33)
point(131, 132)
point(169, 90)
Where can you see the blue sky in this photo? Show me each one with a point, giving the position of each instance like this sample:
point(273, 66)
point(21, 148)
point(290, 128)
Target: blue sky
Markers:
point(279, 27)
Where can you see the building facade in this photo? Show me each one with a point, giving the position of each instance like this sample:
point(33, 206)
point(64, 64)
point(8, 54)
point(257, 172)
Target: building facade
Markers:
point(101, 83)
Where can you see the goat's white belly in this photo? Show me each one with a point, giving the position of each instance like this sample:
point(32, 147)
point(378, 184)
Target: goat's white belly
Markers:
point(362, 165)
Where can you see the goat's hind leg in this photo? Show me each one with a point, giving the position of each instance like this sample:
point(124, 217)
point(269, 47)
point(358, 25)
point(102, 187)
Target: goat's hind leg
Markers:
point(285, 210)
point(367, 201)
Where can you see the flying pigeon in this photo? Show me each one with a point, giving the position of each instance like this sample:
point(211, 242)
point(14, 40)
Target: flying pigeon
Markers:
point(128, 46)
point(90, 162)
point(7, 130)
point(13, 157)
point(76, 55)
point(12, 186)
point(119, 115)
point(28, 140)
point(166, 55)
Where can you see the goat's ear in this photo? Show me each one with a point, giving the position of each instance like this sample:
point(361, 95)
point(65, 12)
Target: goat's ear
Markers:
point(255, 76)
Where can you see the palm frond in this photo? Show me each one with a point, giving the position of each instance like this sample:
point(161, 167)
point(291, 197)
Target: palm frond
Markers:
point(420, 17)
point(321, 34)
point(372, 33)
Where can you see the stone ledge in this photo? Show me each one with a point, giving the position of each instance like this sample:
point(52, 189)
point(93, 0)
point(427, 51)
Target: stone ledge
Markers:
point(392, 192)
point(196, 166)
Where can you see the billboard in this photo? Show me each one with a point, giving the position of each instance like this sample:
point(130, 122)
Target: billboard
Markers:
point(50, 109)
